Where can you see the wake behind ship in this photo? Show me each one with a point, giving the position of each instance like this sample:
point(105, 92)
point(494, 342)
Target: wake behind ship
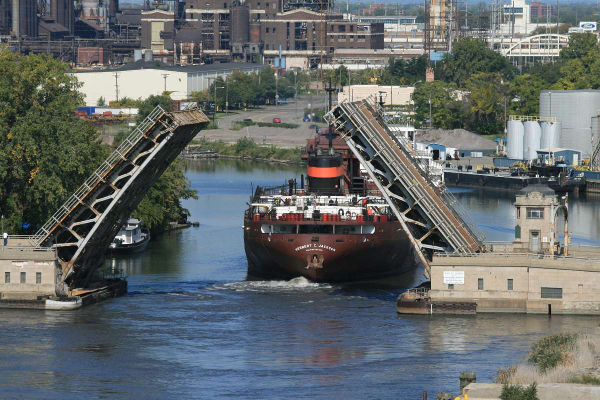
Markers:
point(336, 228)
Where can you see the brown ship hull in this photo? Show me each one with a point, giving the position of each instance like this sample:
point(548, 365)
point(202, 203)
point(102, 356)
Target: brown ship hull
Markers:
point(329, 257)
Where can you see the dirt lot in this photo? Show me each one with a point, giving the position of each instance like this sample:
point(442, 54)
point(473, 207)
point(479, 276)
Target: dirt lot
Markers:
point(290, 138)
point(280, 137)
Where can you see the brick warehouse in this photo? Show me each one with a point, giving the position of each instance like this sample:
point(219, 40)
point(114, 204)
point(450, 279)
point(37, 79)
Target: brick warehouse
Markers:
point(306, 32)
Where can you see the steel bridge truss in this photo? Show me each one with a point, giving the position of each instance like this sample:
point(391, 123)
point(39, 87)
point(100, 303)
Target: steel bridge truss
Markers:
point(427, 212)
point(85, 225)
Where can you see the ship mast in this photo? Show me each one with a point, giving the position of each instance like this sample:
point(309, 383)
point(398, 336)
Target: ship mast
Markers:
point(330, 90)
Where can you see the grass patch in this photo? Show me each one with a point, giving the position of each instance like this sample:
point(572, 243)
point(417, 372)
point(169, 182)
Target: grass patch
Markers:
point(211, 125)
point(237, 125)
point(245, 147)
point(517, 392)
point(552, 350)
point(586, 379)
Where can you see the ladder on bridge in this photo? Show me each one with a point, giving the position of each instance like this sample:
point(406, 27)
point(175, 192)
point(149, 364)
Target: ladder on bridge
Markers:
point(427, 210)
point(85, 225)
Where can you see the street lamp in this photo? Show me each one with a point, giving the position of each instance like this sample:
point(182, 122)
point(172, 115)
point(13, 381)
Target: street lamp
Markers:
point(215, 97)
point(296, 93)
point(165, 78)
point(276, 91)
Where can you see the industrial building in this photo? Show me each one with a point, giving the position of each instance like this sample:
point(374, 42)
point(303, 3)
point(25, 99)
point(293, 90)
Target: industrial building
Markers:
point(569, 121)
point(145, 78)
point(389, 95)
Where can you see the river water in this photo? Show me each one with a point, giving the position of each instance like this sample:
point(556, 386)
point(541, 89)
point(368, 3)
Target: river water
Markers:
point(192, 326)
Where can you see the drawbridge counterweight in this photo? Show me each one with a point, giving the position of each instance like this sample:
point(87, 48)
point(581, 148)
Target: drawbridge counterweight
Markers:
point(426, 209)
point(85, 225)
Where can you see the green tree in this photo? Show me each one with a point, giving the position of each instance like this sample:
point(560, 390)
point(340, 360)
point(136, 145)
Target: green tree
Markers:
point(470, 56)
point(46, 151)
point(401, 72)
point(580, 45)
point(445, 107)
point(563, 29)
point(126, 102)
point(523, 97)
point(580, 63)
point(101, 102)
point(548, 73)
point(486, 98)
point(162, 203)
point(146, 106)
point(266, 85)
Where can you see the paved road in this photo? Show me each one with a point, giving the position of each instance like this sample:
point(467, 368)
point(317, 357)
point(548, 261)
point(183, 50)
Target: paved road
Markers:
point(280, 137)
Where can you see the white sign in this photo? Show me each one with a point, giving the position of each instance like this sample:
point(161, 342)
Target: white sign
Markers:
point(454, 277)
point(588, 26)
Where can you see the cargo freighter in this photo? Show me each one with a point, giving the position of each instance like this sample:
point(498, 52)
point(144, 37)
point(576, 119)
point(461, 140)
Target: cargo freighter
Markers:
point(335, 227)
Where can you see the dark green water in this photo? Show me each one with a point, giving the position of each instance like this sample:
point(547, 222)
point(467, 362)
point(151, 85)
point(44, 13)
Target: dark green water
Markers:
point(192, 327)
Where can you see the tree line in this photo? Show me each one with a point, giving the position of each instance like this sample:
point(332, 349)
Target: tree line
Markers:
point(47, 151)
point(476, 88)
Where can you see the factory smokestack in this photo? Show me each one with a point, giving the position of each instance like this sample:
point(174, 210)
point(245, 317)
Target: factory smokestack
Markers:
point(15, 18)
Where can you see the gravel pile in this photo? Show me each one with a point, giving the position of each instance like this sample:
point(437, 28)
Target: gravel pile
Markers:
point(457, 138)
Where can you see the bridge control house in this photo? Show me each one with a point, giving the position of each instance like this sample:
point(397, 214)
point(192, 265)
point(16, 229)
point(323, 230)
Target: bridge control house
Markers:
point(533, 274)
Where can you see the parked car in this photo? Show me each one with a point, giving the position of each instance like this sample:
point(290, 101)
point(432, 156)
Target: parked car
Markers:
point(306, 118)
point(276, 120)
point(247, 119)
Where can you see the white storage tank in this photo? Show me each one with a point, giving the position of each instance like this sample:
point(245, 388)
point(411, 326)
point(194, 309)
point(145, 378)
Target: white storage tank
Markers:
point(531, 140)
point(574, 109)
point(515, 140)
point(550, 138)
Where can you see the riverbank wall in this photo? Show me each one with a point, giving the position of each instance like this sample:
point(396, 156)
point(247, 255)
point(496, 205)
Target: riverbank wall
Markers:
point(211, 155)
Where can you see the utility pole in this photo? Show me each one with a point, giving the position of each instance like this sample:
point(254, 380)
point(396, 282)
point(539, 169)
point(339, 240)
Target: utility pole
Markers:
point(116, 75)
point(226, 94)
point(165, 78)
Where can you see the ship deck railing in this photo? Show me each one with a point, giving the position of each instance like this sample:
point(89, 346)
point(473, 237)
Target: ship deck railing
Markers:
point(321, 202)
point(293, 217)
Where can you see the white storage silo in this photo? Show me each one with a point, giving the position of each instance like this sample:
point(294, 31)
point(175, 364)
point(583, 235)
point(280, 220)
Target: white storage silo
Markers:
point(515, 140)
point(550, 135)
point(531, 140)
point(555, 132)
point(595, 131)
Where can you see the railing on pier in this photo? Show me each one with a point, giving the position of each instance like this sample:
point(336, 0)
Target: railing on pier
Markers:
point(513, 255)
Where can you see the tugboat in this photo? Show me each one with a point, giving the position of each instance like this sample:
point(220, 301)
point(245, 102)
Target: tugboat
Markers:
point(337, 229)
point(130, 239)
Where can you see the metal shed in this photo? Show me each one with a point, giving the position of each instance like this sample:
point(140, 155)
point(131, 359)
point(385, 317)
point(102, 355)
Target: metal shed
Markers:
point(559, 155)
